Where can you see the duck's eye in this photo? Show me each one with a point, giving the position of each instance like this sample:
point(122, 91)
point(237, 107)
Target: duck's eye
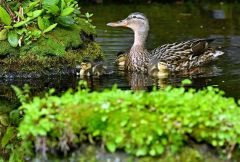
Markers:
point(134, 17)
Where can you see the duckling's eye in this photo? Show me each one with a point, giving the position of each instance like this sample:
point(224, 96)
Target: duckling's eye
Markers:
point(134, 17)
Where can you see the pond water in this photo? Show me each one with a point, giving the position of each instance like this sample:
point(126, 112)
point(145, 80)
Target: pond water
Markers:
point(174, 23)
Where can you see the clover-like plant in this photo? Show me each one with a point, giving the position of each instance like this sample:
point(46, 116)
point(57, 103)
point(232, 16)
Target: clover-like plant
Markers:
point(25, 22)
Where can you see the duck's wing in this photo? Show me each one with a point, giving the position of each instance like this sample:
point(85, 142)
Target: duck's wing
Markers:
point(185, 55)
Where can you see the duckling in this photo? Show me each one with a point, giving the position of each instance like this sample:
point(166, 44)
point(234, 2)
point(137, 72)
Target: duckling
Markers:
point(121, 58)
point(94, 68)
point(85, 68)
point(159, 69)
point(99, 69)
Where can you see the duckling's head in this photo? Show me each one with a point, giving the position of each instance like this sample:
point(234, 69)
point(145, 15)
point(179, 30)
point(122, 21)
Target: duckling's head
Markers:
point(86, 65)
point(85, 68)
point(136, 21)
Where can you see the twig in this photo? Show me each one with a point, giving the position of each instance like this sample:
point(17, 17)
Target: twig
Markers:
point(229, 156)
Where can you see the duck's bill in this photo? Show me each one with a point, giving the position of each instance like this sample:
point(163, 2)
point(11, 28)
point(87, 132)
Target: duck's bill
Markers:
point(122, 23)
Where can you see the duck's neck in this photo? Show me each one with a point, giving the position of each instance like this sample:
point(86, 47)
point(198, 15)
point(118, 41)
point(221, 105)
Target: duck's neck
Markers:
point(140, 38)
point(139, 56)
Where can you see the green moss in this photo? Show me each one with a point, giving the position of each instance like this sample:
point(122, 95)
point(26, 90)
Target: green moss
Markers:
point(47, 64)
point(6, 49)
point(86, 26)
point(93, 49)
point(140, 123)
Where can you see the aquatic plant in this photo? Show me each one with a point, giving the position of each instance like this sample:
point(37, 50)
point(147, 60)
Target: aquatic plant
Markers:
point(27, 21)
point(140, 123)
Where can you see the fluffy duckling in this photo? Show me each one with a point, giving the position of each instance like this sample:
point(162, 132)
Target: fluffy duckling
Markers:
point(92, 68)
point(99, 69)
point(85, 68)
point(121, 59)
point(159, 69)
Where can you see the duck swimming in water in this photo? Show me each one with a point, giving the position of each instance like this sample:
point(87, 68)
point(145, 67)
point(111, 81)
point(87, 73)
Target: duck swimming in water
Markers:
point(174, 57)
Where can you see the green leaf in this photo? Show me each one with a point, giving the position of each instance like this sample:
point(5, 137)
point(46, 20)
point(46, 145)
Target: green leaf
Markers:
point(49, 3)
point(32, 5)
point(21, 23)
point(5, 17)
point(3, 34)
point(111, 146)
point(50, 28)
point(67, 11)
point(13, 38)
point(186, 82)
point(63, 4)
point(7, 136)
point(8, 27)
point(141, 151)
point(65, 21)
point(19, 15)
point(53, 9)
point(36, 14)
point(41, 24)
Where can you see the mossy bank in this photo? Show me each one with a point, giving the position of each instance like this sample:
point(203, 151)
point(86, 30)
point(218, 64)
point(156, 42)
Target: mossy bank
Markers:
point(57, 53)
point(153, 124)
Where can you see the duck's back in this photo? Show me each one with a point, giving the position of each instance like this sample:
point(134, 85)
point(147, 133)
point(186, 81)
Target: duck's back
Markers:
point(185, 55)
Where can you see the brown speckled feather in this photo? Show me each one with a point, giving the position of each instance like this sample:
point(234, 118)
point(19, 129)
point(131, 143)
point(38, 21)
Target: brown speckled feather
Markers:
point(137, 59)
point(184, 55)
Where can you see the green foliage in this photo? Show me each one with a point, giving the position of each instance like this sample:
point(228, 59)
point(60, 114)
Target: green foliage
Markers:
point(5, 17)
point(7, 136)
point(3, 34)
point(13, 38)
point(141, 123)
point(47, 14)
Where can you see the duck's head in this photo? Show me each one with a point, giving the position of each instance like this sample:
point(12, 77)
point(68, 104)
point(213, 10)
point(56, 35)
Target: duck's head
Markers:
point(136, 21)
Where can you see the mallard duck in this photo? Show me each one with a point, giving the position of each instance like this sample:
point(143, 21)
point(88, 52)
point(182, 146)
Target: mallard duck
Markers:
point(94, 68)
point(176, 56)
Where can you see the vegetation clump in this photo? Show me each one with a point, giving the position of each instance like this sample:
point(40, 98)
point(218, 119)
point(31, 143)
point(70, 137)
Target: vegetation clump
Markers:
point(140, 123)
point(49, 33)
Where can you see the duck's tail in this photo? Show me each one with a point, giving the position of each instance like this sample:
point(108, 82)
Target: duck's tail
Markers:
point(217, 54)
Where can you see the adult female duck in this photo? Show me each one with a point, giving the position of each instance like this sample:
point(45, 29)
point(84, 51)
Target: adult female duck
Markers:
point(174, 57)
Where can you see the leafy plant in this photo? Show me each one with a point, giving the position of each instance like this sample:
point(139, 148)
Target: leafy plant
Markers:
point(141, 123)
point(34, 18)
point(5, 17)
